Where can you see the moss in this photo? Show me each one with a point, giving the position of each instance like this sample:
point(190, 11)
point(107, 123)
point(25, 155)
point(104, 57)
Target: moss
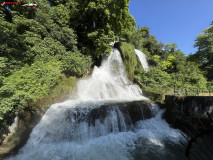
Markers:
point(129, 58)
point(154, 96)
point(65, 86)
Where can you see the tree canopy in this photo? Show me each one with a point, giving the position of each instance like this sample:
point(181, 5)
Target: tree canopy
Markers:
point(204, 54)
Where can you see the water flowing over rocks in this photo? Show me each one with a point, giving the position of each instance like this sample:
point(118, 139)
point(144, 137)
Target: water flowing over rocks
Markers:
point(142, 58)
point(107, 118)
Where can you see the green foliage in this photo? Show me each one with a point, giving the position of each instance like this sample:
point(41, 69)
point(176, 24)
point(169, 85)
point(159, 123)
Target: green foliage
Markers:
point(138, 37)
point(156, 58)
point(100, 22)
point(24, 86)
point(170, 47)
point(64, 86)
point(38, 45)
point(60, 14)
point(29, 117)
point(11, 45)
point(36, 80)
point(66, 36)
point(75, 63)
point(210, 85)
point(4, 68)
point(142, 40)
point(204, 43)
point(189, 76)
point(168, 63)
point(139, 68)
point(30, 82)
point(204, 55)
point(155, 78)
point(48, 46)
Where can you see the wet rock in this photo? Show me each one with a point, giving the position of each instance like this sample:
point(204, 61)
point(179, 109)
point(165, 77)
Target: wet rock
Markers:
point(131, 111)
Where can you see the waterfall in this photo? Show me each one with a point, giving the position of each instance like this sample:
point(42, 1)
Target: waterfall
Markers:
point(14, 126)
point(142, 58)
point(107, 118)
point(108, 82)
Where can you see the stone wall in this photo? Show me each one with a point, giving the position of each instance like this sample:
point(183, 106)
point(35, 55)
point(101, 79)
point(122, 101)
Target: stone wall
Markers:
point(189, 114)
point(191, 105)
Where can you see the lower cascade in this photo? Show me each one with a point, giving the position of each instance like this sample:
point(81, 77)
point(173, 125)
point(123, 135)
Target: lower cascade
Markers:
point(107, 118)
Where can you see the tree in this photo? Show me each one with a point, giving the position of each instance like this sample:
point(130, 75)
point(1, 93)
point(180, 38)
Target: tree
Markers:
point(144, 41)
point(155, 78)
point(204, 42)
point(24, 86)
point(101, 21)
point(170, 47)
point(204, 55)
point(189, 76)
point(169, 64)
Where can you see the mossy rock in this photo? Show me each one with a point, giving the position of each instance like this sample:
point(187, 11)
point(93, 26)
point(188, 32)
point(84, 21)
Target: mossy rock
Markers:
point(129, 58)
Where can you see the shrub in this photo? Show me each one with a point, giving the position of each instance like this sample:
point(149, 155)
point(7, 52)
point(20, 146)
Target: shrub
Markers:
point(24, 86)
point(155, 78)
point(75, 63)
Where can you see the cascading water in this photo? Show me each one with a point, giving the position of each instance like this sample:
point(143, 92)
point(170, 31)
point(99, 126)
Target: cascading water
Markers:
point(96, 124)
point(108, 82)
point(13, 127)
point(142, 58)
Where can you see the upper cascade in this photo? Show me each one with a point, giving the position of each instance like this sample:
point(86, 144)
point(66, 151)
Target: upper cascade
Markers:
point(142, 58)
point(109, 81)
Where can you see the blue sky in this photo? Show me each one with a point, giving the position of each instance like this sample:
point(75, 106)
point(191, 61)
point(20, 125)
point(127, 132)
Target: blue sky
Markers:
point(178, 21)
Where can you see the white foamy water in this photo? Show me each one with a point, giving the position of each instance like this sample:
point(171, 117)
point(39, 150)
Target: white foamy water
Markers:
point(14, 126)
point(73, 131)
point(109, 81)
point(61, 136)
point(142, 58)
